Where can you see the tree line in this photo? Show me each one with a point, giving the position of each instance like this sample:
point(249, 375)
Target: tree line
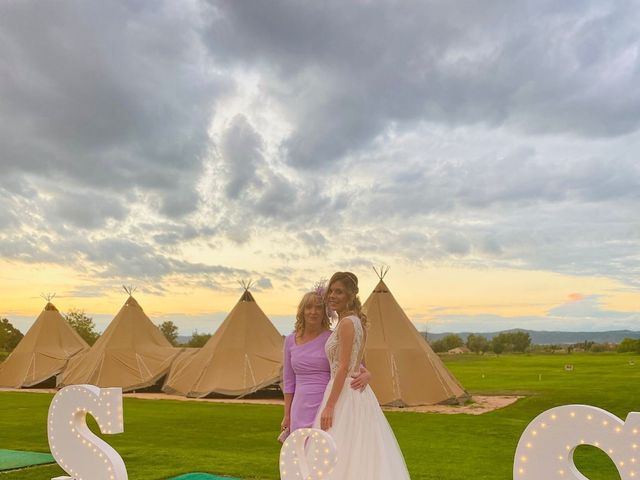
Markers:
point(504, 342)
point(84, 325)
point(629, 345)
point(521, 342)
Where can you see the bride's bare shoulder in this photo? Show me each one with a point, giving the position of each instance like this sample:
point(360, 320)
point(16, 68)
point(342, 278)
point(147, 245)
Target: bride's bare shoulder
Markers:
point(347, 323)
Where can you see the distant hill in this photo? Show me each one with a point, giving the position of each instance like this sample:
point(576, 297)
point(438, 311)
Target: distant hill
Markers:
point(537, 337)
point(548, 338)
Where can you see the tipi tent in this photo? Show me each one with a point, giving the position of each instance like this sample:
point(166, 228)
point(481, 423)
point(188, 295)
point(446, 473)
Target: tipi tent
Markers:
point(132, 353)
point(43, 352)
point(405, 370)
point(243, 356)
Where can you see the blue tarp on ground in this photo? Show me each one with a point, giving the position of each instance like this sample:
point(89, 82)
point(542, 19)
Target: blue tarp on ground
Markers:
point(201, 476)
point(10, 459)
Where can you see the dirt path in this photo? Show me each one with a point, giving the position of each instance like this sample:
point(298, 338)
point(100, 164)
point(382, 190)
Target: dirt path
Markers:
point(479, 403)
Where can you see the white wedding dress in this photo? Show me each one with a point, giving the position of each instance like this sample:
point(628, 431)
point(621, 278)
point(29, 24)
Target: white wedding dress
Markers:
point(367, 448)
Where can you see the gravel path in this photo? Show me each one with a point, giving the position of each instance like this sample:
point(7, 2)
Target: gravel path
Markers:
point(479, 403)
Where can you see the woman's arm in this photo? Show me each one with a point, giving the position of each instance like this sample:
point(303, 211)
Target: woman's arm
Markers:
point(289, 383)
point(346, 334)
point(286, 420)
point(362, 379)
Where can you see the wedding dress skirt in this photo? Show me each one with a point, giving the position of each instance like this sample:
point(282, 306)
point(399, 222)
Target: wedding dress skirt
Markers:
point(367, 447)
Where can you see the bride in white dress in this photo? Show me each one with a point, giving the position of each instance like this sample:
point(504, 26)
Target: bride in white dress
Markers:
point(367, 448)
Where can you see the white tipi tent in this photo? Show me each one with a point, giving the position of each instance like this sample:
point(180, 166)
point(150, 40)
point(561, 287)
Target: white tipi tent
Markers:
point(43, 352)
point(132, 353)
point(243, 356)
point(405, 370)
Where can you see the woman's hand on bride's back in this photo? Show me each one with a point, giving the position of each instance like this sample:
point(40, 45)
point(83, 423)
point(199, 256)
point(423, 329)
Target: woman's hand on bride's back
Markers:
point(361, 380)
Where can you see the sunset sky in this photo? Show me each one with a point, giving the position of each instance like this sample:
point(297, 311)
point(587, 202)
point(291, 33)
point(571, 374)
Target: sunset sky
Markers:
point(488, 151)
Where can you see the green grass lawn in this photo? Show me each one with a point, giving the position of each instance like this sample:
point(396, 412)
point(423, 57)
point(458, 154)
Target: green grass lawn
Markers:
point(167, 438)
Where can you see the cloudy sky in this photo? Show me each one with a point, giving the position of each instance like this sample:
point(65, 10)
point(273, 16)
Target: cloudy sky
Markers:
point(488, 151)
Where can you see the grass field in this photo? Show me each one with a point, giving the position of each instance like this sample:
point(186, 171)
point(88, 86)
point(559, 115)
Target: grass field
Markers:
point(167, 438)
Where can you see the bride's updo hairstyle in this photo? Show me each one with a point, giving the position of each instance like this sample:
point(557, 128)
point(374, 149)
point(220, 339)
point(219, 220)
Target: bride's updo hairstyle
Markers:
point(350, 282)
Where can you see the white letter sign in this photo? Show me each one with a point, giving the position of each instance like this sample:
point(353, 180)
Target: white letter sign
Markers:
point(77, 450)
point(545, 450)
point(307, 454)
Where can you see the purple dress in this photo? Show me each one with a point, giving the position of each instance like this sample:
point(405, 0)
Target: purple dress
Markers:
point(306, 374)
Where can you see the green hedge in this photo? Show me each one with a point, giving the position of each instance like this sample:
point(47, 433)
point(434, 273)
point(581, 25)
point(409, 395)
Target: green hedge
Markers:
point(3, 355)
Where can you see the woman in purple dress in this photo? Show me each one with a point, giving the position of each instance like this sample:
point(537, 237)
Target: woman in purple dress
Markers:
point(306, 367)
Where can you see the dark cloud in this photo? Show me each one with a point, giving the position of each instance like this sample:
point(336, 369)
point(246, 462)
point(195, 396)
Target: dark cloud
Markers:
point(114, 259)
point(179, 202)
point(454, 243)
point(87, 210)
point(347, 71)
point(490, 245)
point(109, 95)
point(7, 217)
point(128, 259)
point(168, 235)
point(491, 134)
point(314, 240)
point(518, 177)
point(258, 192)
point(36, 247)
point(92, 291)
point(241, 151)
point(262, 284)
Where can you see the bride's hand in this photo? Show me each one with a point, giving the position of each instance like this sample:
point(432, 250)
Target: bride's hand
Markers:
point(361, 380)
point(326, 418)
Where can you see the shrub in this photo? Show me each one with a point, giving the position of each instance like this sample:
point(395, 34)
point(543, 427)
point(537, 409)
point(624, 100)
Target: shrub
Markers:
point(629, 345)
point(447, 343)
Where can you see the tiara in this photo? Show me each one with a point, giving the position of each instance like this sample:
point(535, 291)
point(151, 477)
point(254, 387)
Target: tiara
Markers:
point(353, 279)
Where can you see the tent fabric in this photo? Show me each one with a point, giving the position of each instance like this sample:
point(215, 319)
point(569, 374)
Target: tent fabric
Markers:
point(405, 370)
point(132, 353)
point(43, 352)
point(180, 361)
point(243, 356)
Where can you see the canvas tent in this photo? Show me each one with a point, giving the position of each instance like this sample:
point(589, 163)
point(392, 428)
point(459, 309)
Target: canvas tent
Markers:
point(132, 353)
point(43, 352)
point(243, 356)
point(405, 370)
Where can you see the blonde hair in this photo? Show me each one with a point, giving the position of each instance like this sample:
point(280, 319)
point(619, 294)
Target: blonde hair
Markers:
point(350, 282)
point(306, 299)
